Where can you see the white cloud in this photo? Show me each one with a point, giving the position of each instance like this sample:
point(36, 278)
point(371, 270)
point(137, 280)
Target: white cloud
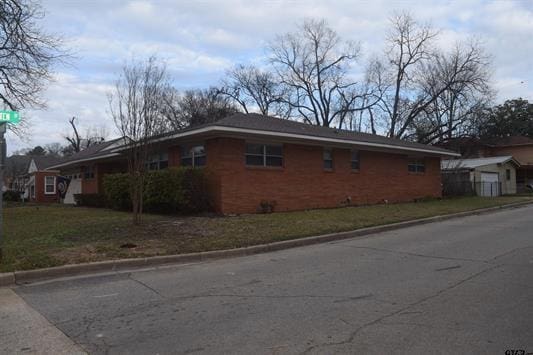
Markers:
point(200, 39)
point(67, 96)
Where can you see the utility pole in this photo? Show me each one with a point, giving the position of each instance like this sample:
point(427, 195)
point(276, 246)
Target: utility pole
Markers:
point(6, 117)
point(2, 167)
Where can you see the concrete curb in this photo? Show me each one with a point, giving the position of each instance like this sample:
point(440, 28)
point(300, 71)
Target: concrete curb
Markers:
point(23, 277)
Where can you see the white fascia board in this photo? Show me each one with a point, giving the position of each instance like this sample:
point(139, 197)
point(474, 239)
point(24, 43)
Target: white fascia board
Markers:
point(302, 137)
point(110, 155)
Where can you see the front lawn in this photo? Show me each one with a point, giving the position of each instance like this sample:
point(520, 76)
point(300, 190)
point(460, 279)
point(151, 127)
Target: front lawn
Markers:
point(43, 236)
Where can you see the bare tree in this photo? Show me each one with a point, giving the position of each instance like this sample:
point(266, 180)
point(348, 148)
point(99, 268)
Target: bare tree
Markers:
point(313, 64)
point(135, 108)
point(54, 149)
point(421, 84)
point(459, 83)
point(26, 54)
point(409, 45)
point(253, 88)
point(196, 107)
point(78, 141)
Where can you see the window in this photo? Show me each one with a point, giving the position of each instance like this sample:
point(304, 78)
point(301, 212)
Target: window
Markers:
point(32, 191)
point(328, 159)
point(355, 160)
point(416, 166)
point(49, 185)
point(157, 161)
point(264, 155)
point(508, 174)
point(193, 156)
point(88, 172)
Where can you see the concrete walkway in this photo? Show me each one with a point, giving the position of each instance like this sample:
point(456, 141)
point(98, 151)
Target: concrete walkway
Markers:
point(24, 330)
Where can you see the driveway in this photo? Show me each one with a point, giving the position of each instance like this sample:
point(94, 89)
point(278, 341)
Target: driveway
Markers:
point(458, 286)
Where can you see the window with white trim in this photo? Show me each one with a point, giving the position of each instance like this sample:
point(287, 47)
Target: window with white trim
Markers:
point(49, 185)
point(157, 161)
point(354, 161)
point(327, 156)
point(416, 166)
point(193, 156)
point(264, 155)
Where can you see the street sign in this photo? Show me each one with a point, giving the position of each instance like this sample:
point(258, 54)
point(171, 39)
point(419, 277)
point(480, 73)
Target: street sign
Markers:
point(9, 117)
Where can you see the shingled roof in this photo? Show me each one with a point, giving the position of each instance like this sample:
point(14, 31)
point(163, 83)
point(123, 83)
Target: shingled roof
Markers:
point(92, 152)
point(246, 123)
point(257, 124)
point(43, 162)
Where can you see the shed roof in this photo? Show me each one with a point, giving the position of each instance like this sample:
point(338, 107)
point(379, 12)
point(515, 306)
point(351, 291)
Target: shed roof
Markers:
point(452, 164)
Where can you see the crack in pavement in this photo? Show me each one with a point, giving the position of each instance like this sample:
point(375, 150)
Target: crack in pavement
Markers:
point(417, 255)
point(130, 276)
point(356, 332)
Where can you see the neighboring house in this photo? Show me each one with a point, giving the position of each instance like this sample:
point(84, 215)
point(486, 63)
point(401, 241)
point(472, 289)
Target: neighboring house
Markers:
point(41, 182)
point(15, 173)
point(294, 166)
point(492, 176)
point(519, 147)
point(86, 168)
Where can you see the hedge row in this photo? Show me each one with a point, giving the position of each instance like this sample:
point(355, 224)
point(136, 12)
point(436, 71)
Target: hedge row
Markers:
point(173, 190)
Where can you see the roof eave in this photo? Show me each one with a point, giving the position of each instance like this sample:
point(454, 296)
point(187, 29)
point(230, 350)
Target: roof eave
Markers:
point(83, 160)
point(225, 129)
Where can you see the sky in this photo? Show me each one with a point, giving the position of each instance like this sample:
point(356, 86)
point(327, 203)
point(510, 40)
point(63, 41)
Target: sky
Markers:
point(200, 40)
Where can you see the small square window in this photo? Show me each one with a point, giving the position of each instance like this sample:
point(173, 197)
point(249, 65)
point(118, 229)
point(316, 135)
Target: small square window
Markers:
point(416, 166)
point(157, 161)
point(194, 156)
point(88, 173)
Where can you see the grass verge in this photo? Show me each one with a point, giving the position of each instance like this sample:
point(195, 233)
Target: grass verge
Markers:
point(52, 235)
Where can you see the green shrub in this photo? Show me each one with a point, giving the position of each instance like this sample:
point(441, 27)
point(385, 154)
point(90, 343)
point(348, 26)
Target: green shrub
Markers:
point(117, 191)
point(163, 191)
point(197, 191)
point(11, 196)
point(90, 200)
point(173, 190)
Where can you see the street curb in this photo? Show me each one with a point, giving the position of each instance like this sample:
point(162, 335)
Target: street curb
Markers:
point(23, 277)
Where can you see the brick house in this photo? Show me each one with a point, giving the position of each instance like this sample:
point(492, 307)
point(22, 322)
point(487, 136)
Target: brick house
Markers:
point(41, 181)
point(291, 165)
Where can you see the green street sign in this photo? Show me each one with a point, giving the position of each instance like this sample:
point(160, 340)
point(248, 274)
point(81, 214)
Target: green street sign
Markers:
point(9, 117)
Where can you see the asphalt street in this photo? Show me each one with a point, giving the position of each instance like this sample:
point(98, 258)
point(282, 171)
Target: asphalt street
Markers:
point(458, 286)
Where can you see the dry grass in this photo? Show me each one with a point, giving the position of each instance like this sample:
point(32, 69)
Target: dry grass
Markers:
point(43, 236)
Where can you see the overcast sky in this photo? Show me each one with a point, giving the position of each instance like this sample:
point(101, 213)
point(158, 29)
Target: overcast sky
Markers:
point(199, 40)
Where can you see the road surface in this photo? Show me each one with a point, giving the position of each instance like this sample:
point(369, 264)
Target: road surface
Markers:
point(458, 286)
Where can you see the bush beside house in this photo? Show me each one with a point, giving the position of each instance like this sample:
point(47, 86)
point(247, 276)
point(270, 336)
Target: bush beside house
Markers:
point(174, 190)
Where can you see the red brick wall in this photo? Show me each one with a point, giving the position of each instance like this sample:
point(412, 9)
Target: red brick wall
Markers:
point(174, 156)
point(40, 196)
point(94, 185)
point(302, 183)
point(89, 185)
